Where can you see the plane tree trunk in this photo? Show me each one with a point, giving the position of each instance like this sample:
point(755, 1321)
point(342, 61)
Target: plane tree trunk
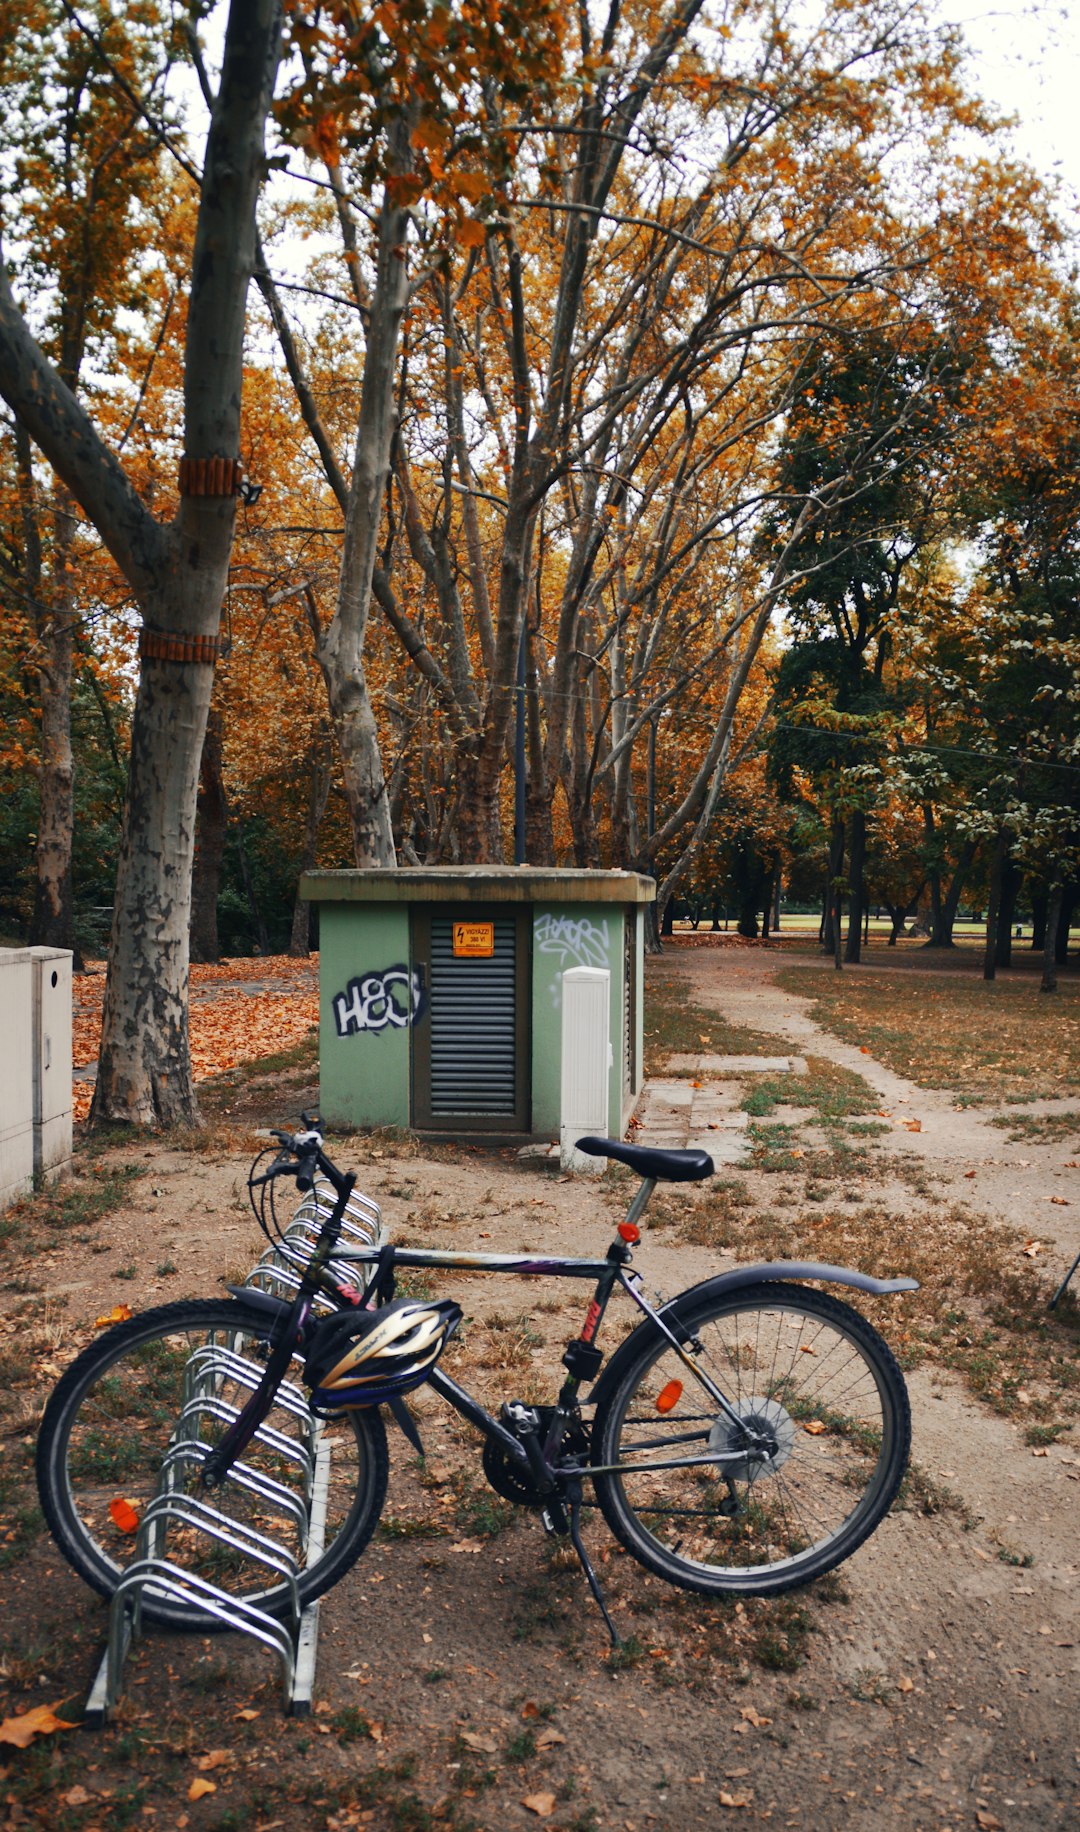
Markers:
point(178, 574)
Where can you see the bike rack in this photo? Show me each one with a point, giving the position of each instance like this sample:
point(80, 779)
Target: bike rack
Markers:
point(153, 1574)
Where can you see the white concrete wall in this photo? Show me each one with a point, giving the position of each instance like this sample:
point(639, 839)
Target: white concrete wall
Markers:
point(16, 1078)
point(52, 1061)
point(35, 1067)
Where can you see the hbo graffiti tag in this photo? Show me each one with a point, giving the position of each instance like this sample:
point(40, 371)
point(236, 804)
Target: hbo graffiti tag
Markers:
point(375, 1002)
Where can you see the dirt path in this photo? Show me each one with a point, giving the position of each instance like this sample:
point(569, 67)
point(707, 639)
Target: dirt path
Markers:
point(463, 1675)
point(1034, 1184)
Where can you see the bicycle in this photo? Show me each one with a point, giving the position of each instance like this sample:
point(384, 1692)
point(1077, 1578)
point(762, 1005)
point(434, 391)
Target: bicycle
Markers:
point(745, 1437)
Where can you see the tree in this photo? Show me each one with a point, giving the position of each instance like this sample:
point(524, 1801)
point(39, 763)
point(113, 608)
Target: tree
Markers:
point(177, 571)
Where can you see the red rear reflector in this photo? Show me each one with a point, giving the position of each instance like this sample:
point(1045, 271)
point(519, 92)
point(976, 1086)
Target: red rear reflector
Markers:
point(669, 1396)
point(628, 1232)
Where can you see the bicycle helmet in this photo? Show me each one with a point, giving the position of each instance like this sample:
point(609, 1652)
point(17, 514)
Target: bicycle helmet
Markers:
point(367, 1358)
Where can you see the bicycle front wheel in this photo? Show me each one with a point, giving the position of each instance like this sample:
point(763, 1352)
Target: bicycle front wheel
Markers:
point(135, 1415)
point(828, 1405)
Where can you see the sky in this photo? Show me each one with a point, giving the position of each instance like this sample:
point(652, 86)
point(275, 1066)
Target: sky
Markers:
point(1026, 59)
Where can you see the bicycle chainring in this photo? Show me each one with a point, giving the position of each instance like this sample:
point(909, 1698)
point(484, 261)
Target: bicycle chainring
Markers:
point(516, 1484)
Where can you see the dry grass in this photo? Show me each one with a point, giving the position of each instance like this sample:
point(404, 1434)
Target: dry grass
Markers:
point(1002, 1040)
point(980, 1308)
point(675, 1024)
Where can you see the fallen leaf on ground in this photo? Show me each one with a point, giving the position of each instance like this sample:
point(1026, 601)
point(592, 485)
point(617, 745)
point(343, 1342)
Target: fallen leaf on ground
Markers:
point(905, 1685)
point(911, 1125)
point(970, 1173)
point(1061, 1201)
point(77, 1797)
point(214, 1759)
point(540, 1804)
point(530, 1708)
point(733, 1800)
point(548, 1739)
point(468, 1545)
point(814, 1427)
point(750, 1716)
point(248, 1714)
point(199, 1787)
point(1032, 1248)
point(486, 1746)
point(118, 1314)
point(40, 1721)
point(987, 1821)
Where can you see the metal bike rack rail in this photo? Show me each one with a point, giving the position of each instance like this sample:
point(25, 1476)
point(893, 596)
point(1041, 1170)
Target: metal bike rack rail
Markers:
point(153, 1574)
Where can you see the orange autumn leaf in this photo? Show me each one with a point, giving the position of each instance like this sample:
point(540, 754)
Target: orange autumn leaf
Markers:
point(118, 1314)
point(41, 1721)
point(199, 1787)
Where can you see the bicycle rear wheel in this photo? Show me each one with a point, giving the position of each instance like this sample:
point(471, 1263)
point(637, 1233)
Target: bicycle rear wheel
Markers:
point(154, 1393)
point(801, 1369)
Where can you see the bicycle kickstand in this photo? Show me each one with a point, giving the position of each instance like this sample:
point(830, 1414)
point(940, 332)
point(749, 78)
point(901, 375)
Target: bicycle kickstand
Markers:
point(574, 1498)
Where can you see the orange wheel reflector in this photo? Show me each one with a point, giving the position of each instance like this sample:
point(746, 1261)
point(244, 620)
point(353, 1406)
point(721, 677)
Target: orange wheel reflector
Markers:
point(669, 1396)
point(123, 1515)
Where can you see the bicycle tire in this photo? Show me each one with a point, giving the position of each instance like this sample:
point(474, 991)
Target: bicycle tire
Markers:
point(812, 1371)
point(113, 1417)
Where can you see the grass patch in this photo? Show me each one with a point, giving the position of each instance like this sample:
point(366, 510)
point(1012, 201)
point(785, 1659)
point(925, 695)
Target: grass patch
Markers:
point(984, 1040)
point(1039, 1128)
point(835, 1095)
point(70, 1206)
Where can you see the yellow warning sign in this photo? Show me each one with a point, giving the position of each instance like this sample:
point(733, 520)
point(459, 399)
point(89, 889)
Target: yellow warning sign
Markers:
point(474, 940)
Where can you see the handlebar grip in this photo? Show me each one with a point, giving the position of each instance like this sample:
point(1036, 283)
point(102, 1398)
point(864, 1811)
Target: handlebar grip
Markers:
point(305, 1171)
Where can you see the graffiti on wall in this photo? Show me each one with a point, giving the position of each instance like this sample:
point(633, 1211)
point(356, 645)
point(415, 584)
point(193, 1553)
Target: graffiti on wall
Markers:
point(574, 941)
point(376, 1002)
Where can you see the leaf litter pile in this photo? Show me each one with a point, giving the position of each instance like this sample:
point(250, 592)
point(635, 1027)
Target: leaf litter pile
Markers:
point(241, 1011)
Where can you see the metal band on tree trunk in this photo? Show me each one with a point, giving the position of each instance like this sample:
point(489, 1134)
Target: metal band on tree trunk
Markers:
point(210, 476)
point(159, 646)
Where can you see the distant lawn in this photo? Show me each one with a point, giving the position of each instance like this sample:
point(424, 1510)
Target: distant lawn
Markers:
point(1002, 1040)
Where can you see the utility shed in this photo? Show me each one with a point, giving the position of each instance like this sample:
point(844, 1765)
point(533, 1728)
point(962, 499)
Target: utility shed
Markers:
point(440, 993)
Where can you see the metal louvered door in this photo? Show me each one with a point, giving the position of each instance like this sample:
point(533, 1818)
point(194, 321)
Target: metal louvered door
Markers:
point(470, 1049)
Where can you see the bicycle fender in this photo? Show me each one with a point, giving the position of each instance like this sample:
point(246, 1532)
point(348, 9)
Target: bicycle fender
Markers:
point(773, 1271)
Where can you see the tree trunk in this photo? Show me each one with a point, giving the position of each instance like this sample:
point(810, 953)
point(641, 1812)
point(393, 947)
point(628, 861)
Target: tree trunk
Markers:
point(1010, 887)
point(830, 935)
point(1068, 905)
point(941, 936)
point(1053, 918)
point(178, 575)
point(210, 829)
point(258, 921)
point(1040, 904)
point(857, 888)
point(318, 795)
point(53, 921)
point(993, 914)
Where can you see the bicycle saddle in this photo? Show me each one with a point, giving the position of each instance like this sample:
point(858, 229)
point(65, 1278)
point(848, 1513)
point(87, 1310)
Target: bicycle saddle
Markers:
point(649, 1161)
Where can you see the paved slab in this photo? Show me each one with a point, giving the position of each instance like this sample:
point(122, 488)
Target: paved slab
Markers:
point(679, 1114)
